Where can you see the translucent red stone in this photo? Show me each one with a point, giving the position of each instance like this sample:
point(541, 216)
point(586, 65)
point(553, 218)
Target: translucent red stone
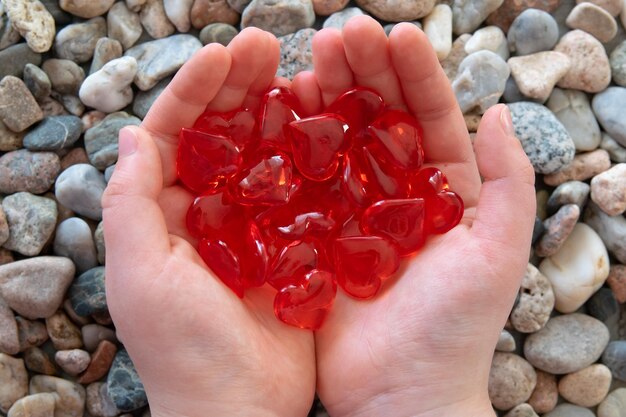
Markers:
point(266, 182)
point(400, 139)
point(359, 107)
point(278, 108)
point(238, 125)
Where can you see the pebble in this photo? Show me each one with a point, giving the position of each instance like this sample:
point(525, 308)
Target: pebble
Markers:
point(587, 387)
point(107, 49)
point(37, 405)
point(321, 7)
point(457, 54)
point(39, 362)
point(615, 358)
point(63, 333)
point(590, 70)
point(506, 14)
point(14, 59)
point(204, 12)
point(53, 133)
point(594, 20)
point(8, 35)
point(537, 74)
point(135, 5)
point(23, 170)
point(98, 403)
point(51, 107)
point(468, 15)
point(480, 81)
point(546, 394)
point(162, 57)
point(71, 396)
point(101, 361)
point(154, 20)
point(123, 384)
point(74, 240)
point(178, 11)
point(4, 226)
point(123, 25)
point(569, 410)
point(511, 380)
point(18, 108)
point(221, 33)
point(295, 53)
point(92, 118)
point(608, 190)
point(603, 306)
point(240, 5)
point(522, 410)
point(76, 319)
point(31, 333)
point(99, 238)
point(614, 405)
point(101, 140)
point(286, 16)
point(60, 16)
point(338, 19)
point(86, 8)
point(506, 342)
point(33, 21)
point(37, 81)
point(80, 189)
point(567, 344)
point(87, 293)
point(438, 29)
point(614, 7)
point(583, 167)
point(73, 361)
point(490, 38)
point(571, 192)
point(70, 103)
point(94, 334)
point(144, 99)
point(532, 31)
point(109, 89)
point(31, 222)
point(557, 230)
point(535, 302)
point(612, 230)
point(618, 64)
point(608, 107)
point(544, 139)
point(77, 41)
point(617, 282)
point(9, 140)
point(573, 110)
point(9, 340)
point(13, 381)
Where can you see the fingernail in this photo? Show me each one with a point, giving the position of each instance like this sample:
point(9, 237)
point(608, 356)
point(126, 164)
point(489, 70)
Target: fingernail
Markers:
point(127, 143)
point(506, 121)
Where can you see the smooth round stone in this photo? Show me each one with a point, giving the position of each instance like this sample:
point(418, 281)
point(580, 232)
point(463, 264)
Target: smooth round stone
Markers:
point(23, 170)
point(73, 361)
point(221, 33)
point(544, 139)
point(546, 394)
point(571, 192)
point(13, 381)
point(394, 11)
point(557, 230)
point(99, 238)
point(438, 29)
point(533, 31)
point(614, 405)
point(31, 222)
point(584, 166)
point(511, 380)
point(93, 334)
point(14, 58)
point(506, 342)
point(468, 15)
point(608, 107)
point(590, 70)
point(569, 410)
point(71, 396)
point(109, 89)
point(567, 344)
point(123, 384)
point(573, 109)
point(63, 333)
point(86, 8)
point(144, 100)
point(321, 7)
point(608, 190)
point(9, 340)
point(480, 81)
point(594, 20)
point(587, 387)
point(296, 53)
point(178, 12)
point(87, 293)
point(107, 50)
point(33, 333)
point(280, 18)
point(615, 358)
point(38, 361)
point(37, 81)
point(36, 405)
point(154, 19)
point(18, 108)
point(457, 54)
point(537, 74)
point(618, 64)
point(535, 302)
point(338, 19)
point(506, 14)
point(161, 58)
point(73, 240)
point(614, 7)
point(54, 133)
point(101, 361)
point(98, 401)
point(123, 25)
point(522, 410)
point(102, 139)
point(77, 41)
point(33, 21)
point(80, 189)
point(490, 38)
point(204, 12)
point(612, 230)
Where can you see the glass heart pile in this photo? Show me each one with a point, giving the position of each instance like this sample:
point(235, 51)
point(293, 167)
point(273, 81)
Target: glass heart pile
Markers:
point(309, 204)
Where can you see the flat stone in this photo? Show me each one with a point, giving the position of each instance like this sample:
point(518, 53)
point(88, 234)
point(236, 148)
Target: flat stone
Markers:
point(537, 74)
point(544, 139)
point(590, 70)
point(77, 41)
point(31, 222)
point(614, 7)
point(221, 33)
point(100, 246)
point(573, 110)
point(123, 25)
point(74, 240)
point(584, 166)
point(618, 64)
point(617, 282)
point(489, 38)
point(65, 75)
point(18, 108)
point(608, 190)
point(535, 303)
point(37, 405)
point(178, 12)
point(101, 361)
point(594, 20)
point(608, 106)
point(109, 89)
point(73, 361)
point(532, 31)
point(457, 54)
point(87, 293)
point(9, 341)
point(63, 333)
point(612, 230)
point(295, 53)
point(39, 362)
point(94, 334)
point(569, 410)
point(13, 381)
point(557, 230)
point(144, 99)
point(567, 344)
point(284, 16)
point(614, 405)
point(468, 15)
point(506, 14)
point(123, 384)
point(37, 81)
point(70, 400)
point(33, 21)
point(80, 188)
point(54, 133)
point(23, 170)
point(107, 50)
point(101, 140)
point(154, 19)
point(546, 394)
point(511, 380)
point(587, 387)
point(321, 7)
point(615, 358)
point(338, 19)
point(99, 403)
point(31, 333)
point(160, 58)
point(14, 58)
point(205, 12)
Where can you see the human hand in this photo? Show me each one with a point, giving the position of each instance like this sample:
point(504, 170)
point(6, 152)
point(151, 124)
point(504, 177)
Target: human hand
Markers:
point(423, 346)
point(198, 348)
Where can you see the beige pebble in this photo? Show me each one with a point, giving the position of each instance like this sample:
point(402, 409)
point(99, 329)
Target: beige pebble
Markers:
point(511, 380)
point(590, 70)
point(614, 405)
point(63, 333)
point(457, 54)
point(86, 8)
point(327, 7)
point(33, 21)
point(36, 405)
point(537, 74)
point(594, 20)
point(522, 410)
point(73, 361)
point(608, 190)
point(536, 301)
point(438, 29)
point(584, 166)
point(614, 7)
point(587, 387)
point(546, 394)
point(154, 20)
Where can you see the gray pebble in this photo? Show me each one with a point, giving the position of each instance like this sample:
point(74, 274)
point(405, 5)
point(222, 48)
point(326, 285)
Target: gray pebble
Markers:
point(618, 64)
point(23, 170)
point(615, 150)
point(108, 173)
point(37, 81)
point(8, 35)
point(99, 239)
point(107, 49)
point(31, 222)
point(14, 58)
point(573, 110)
point(611, 229)
point(221, 33)
point(538, 229)
point(145, 99)
point(544, 139)
point(533, 31)
point(609, 107)
point(124, 25)
point(77, 41)
point(571, 192)
point(338, 19)
point(80, 189)
point(61, 17)
point(101, 140)
point(469, 14)
point(604, 306)
point(614, 405)
point(569, 410)
point(506, 342)
point(123, 384)
point(18, 108)
point(66, 76)
point(54, 133)
point(87, 293)
point(295, 53)
point(512, 94)
point(74, 240)
point(71, 103)
point(279, 17)
point(615, 358)
point(99, 402)
point(511, 380)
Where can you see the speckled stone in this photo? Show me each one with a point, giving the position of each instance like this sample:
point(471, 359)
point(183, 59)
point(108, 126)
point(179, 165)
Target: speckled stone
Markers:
point(587, 387)
point(511, 380)
point(123, 25)
point(295, 53)
point(221, 33)
point(123, 384)
point(80, 189)
point(608, 107)
point(63, 333)
point(33, 21)
point(77, 41)
point(535, 302)
point(72, 361)
point(612, 230)
point(87, 293)
point(614, 405)
point(70, 401)
point(469, 14)
point(23, 170)
point(54, 133)
point(532, 31)
point(608, 190)
point(281, 17)
point(18, 108)
point(583, 167)
point(99, 239)
point(546, 394)
point(31, 222)
point(101, 140)
point(573, 109)
point(594, 20)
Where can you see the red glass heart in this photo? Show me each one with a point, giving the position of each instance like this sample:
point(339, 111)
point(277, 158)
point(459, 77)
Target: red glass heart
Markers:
point(363, 262)
point(317, 143)
point(400, 139)
point(359, 107)
point(223, 262)
point(266, 182)
point(401, 221)
point(306, 306)
point(292, 264)
point(279, 107)
point(444, 208)
point(238, 125)
point(214, 215)
point(205, 161)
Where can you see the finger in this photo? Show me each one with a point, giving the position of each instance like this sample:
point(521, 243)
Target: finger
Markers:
point(506, 209)
point(265, 79)
point(305, 87)
point(367, 51)
point(252, 51)
point(333, 72)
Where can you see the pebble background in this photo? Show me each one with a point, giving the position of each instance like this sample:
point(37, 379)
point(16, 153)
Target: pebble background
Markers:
point(74, 72)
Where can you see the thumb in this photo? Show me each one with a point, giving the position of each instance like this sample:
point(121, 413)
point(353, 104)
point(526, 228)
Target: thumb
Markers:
point(506, 207)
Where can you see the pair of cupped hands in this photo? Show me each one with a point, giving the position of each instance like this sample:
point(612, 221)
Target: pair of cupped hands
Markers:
point(422, 347)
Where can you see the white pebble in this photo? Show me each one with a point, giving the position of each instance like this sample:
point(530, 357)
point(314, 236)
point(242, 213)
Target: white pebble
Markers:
point(108, 89)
